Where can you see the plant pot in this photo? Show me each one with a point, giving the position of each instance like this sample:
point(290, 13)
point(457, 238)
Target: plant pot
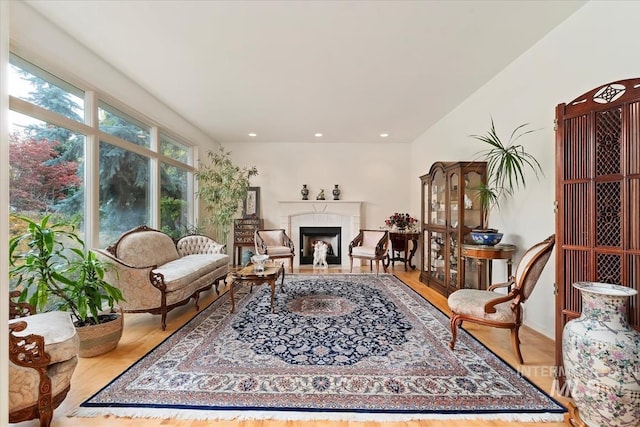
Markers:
point(101, 338)
point(601, 355)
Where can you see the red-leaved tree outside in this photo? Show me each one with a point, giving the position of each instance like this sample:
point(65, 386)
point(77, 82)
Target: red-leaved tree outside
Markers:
point(38, 177)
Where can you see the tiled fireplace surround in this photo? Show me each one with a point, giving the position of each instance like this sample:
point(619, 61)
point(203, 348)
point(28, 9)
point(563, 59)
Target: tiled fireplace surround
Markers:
point(321, 213)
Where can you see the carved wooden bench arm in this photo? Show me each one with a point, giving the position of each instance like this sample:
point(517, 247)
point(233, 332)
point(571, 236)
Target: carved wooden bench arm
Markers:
point(28, 350)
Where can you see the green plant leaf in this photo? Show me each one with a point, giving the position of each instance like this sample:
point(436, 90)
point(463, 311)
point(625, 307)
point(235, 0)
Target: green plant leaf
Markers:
point(507, 165)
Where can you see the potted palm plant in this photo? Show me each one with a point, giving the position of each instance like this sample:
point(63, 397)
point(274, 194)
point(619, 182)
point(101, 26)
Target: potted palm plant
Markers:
point(51, 266)
point(506, 167)
point(223, 185)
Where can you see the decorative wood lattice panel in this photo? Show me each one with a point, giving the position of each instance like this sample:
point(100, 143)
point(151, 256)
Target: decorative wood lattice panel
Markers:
point(633, 267)
point(609, 268)
point(577, 264)
point(577, 159)
point(608, 136)
point(598, 196)
point(633, 213)
point(576, 204)
point(608, 221)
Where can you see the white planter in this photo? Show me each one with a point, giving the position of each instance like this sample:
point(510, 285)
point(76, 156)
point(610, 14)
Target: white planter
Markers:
point(601, 356)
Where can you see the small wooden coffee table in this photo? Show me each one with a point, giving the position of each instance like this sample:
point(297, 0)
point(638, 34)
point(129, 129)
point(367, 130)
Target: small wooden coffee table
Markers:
point(248, 276)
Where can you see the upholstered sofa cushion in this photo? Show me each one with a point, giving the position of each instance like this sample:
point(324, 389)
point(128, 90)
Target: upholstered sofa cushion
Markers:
point(180, 273)
point(60, 337)
point(278, 250)
point(364, 251)
point(471, 302)
point(198, 244)
point(146, 249)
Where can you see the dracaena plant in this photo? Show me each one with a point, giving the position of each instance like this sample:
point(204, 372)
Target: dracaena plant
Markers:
point(51, 266)
point(507, 164)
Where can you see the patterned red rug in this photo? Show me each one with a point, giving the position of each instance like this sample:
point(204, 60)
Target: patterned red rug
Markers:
point(349, 346)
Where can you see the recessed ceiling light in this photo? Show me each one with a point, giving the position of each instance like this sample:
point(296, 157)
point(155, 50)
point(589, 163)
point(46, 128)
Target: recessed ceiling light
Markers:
point(253, 134)
point(384, 135)
point(317, 135)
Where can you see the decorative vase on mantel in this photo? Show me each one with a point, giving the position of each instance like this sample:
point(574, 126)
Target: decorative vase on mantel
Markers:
point(601, 355)
point(304, 192)
point(336, 192)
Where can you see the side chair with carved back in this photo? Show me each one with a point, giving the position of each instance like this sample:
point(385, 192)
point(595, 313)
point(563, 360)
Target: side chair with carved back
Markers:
point(499, 310)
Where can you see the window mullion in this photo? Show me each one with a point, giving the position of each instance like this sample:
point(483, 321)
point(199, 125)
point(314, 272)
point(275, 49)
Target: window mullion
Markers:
point(154, 180)
point(92, 172)
point(35, 111)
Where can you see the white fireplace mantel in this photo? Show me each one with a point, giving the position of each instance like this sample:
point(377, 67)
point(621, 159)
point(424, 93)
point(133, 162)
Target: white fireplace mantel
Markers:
point(321, 213)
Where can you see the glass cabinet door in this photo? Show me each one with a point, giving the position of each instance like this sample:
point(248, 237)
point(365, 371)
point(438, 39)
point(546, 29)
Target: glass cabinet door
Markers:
point(436, 251)
point(471, 201)
point(438, 200)
point(453, 259)
point(454, 217)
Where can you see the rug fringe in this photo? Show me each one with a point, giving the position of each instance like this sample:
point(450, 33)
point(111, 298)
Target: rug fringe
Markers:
point(203, 415)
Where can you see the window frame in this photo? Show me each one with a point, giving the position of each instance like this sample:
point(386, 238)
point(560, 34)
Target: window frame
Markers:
point(93, 100)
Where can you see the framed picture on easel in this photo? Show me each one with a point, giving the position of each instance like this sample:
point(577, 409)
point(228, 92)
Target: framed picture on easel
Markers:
point(251, 206)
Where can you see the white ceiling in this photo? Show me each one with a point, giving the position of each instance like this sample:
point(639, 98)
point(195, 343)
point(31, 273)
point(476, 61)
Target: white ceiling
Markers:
point(288, 69)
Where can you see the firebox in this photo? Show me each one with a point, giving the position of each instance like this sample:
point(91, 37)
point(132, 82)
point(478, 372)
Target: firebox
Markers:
point(330, 235)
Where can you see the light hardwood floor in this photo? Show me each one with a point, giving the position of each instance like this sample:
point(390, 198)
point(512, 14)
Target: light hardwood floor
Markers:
point(142, 332)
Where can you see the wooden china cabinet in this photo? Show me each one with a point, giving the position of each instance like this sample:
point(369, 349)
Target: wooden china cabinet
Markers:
point(450, 210)
point(598, 197)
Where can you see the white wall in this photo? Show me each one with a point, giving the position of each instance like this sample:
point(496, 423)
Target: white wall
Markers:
point(376, 174)
point(4, 212)
point(597, 45)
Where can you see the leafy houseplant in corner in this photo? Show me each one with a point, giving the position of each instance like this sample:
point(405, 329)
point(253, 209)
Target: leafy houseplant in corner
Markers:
point(223, 186)
point(506, 166)
point(51, 266)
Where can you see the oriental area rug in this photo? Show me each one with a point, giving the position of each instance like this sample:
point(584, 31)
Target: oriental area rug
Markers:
point(338, 347)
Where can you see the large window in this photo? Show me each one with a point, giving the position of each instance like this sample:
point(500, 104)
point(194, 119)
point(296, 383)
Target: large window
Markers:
point(139, 181)
point(46, 170)
point(174, 202)
point(124, 192)
point(174, 149)
point(119, 124)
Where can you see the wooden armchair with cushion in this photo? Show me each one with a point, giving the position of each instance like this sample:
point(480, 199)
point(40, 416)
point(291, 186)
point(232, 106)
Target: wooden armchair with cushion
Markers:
point(502, 310)
point(43, 351)
point(276, 244)
point(371, 245)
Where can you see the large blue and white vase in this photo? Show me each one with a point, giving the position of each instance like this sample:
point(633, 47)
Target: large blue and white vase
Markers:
point(601, 355)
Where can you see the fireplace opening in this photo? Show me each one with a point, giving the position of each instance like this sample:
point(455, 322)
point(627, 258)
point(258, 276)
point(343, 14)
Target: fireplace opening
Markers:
point(330, 235)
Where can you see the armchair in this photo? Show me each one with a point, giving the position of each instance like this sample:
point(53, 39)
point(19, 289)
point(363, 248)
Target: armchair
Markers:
point(43, 352)
point(276, 244)
point(502, 310)
point(371, 245)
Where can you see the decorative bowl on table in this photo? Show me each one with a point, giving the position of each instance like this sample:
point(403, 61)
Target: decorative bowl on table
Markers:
point(258, 262)
point(486, 238)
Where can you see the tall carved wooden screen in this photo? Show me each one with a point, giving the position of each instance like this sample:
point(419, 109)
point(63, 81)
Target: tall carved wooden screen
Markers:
point(598, 197)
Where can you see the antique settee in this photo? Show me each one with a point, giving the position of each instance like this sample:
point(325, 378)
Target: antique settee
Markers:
point(157, 274)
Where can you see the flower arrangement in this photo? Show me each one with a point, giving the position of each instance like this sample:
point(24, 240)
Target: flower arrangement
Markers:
point(401, 221)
